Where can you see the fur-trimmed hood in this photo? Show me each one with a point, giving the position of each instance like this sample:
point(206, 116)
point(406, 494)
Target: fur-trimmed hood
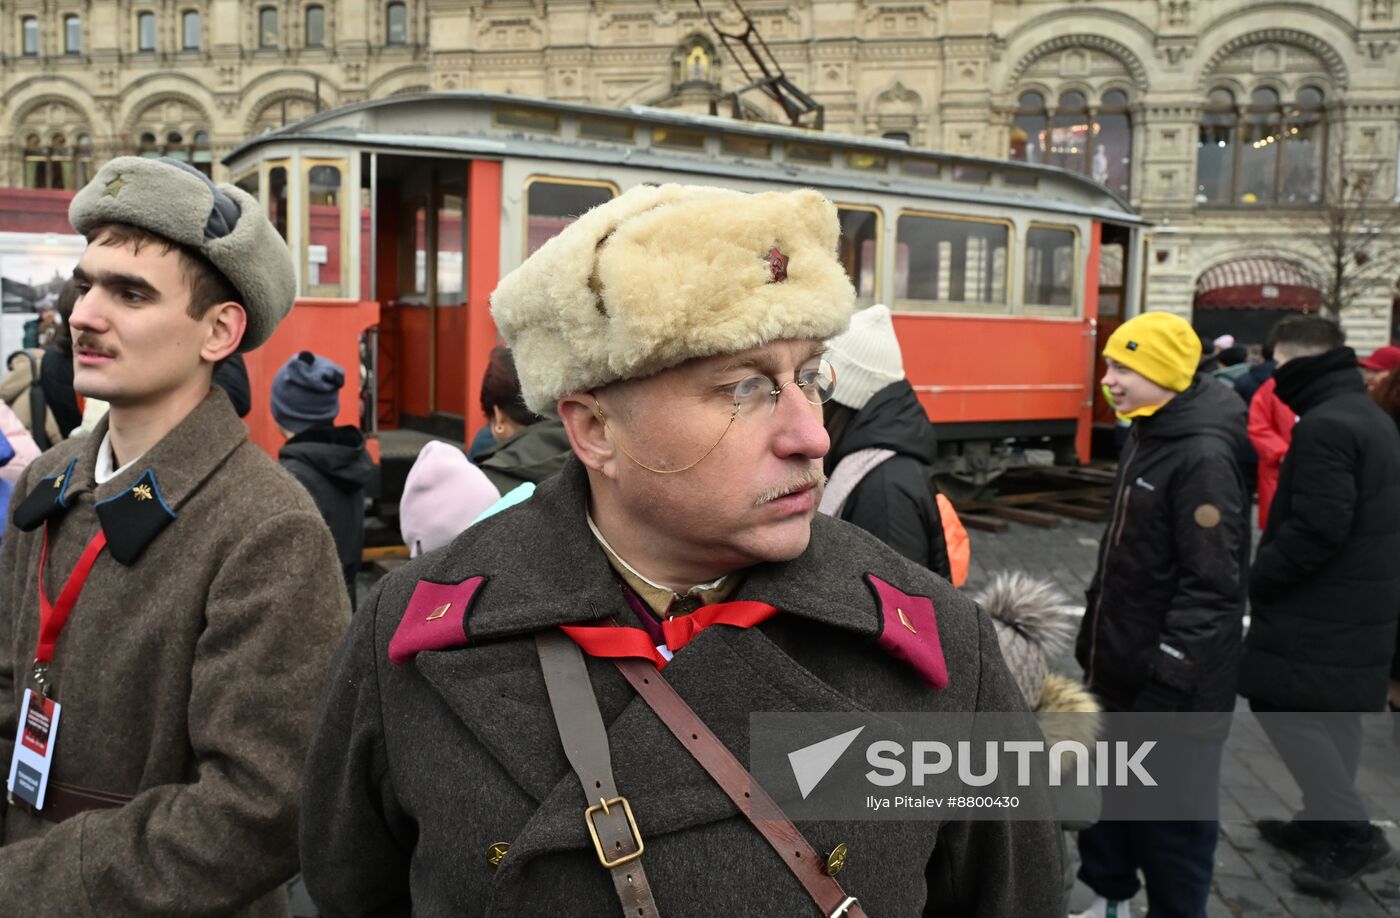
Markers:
point(1031, 619)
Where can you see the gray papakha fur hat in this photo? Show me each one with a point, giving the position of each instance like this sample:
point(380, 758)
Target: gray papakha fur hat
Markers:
point(223, 223)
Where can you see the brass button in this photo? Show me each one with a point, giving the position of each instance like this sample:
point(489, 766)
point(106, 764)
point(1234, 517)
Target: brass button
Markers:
point(835, 860)
point(496, 853)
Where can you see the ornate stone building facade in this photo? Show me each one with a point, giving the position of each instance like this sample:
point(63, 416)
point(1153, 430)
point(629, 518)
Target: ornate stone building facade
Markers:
point(1213, 116)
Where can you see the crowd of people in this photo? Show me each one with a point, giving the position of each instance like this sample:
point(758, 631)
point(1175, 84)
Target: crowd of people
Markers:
point(690, 503)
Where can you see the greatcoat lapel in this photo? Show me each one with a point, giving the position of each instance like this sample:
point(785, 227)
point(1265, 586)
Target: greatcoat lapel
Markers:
point(725, 674)
point(137, 505)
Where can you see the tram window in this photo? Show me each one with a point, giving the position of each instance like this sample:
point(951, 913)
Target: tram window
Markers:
point(1020, 179)
point(925, 168)
point(451, 243)
point(860, 233)
point(942, 260)
point(326, 231)
point(553, 205)
point(277, 198)
point(679, 138)
point(1049, 267)
point(1111, 263)
point(413, 251)
point(531, 119)
point(605, 129)
point(809, 153)
point(977, 175)
point(867, 161)
point(746, 146)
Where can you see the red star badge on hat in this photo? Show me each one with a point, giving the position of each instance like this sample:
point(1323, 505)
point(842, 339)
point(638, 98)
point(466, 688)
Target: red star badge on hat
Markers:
point(777, 265)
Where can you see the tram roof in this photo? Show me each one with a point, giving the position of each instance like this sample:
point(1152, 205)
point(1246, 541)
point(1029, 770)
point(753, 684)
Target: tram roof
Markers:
point(469, 122)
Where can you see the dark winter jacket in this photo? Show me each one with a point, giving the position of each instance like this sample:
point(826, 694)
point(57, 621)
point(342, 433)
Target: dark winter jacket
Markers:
point(1162, 627)
point(1250, 383)
point(1325, 587)
point(56, 379)
point(419, 767)
point(334, 466)
point(894, 501)
point(531, 455)
point(231, 375)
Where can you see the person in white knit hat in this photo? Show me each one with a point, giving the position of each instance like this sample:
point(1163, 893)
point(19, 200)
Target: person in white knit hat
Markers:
point(882, 445)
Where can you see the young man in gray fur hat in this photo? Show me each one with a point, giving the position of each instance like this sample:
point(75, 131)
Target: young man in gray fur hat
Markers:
point(163, 583)
point(483, 703)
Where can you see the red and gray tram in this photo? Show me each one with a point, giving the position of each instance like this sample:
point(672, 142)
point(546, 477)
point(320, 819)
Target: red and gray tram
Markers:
point(403, 214)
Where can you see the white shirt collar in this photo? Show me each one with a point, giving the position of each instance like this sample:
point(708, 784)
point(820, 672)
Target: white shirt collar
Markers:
point(104, 471)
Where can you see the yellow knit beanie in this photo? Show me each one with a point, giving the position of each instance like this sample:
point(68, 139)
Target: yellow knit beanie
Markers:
point(1160, 346)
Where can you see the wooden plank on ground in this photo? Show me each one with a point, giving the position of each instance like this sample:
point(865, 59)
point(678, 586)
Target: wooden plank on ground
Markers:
point(982, 523)
point(376, 553)
point(1029, 517)
point(1074, 511)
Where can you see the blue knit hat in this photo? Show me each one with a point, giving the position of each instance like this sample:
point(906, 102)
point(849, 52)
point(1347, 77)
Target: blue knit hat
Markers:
point(306, 392)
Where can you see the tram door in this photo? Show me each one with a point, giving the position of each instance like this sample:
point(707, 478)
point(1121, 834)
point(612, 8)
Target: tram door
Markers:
point(421, 282)
point(1115, 248)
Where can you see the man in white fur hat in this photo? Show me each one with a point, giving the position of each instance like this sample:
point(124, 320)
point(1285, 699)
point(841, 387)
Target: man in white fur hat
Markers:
point(549, 716)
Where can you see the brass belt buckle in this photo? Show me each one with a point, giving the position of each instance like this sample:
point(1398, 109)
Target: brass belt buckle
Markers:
point(604, 806)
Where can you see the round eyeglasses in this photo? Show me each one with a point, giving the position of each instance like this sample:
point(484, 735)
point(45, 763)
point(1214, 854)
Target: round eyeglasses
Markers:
point(816, 380)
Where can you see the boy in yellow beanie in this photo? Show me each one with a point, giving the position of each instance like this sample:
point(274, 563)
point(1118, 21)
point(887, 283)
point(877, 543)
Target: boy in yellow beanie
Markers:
point(1161, 630)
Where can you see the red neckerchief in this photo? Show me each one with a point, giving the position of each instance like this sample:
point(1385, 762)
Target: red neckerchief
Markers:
point(618, 641)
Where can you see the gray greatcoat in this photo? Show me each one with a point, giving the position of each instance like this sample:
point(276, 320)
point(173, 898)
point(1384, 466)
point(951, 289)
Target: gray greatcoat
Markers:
point(188, 674)
point(417, 769)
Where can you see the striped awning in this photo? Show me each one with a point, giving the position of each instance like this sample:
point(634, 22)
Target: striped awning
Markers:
point(1255, 272)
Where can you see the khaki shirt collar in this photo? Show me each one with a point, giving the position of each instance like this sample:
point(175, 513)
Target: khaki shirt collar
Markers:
point(662, 600)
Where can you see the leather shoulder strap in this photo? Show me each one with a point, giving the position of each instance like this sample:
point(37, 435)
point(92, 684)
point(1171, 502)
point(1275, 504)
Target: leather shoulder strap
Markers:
point(616, 839)
point(707, 749)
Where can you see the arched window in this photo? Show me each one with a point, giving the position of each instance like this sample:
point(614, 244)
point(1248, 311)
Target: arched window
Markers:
point(1266, 153)
point(146, 32)
point(1259, 146)
point(82, 158)
point(29, 36)
point(396, 24)
point(1093, 140)
point(1110, 162)
point(55, 163)
point(1069, 133)
point(191, 29)
point(315, 27)
point(1304, 135)
point(267, 28)
point(201, 157)
point(72, 35)
point(192, 148)
point(1028, 130)
point(1215, 150)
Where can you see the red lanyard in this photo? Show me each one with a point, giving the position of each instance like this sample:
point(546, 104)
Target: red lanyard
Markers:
point(617, 641)
point(53, 616)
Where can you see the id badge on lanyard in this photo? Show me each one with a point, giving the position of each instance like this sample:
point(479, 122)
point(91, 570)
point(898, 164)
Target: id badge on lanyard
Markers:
point(37, 731)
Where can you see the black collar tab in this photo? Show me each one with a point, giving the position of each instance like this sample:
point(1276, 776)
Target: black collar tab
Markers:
point(133, 518)
point(48, 498)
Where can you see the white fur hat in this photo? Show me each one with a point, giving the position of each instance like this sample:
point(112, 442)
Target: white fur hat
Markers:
point(223, 223)
point(664, 274)
point(866, 358)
